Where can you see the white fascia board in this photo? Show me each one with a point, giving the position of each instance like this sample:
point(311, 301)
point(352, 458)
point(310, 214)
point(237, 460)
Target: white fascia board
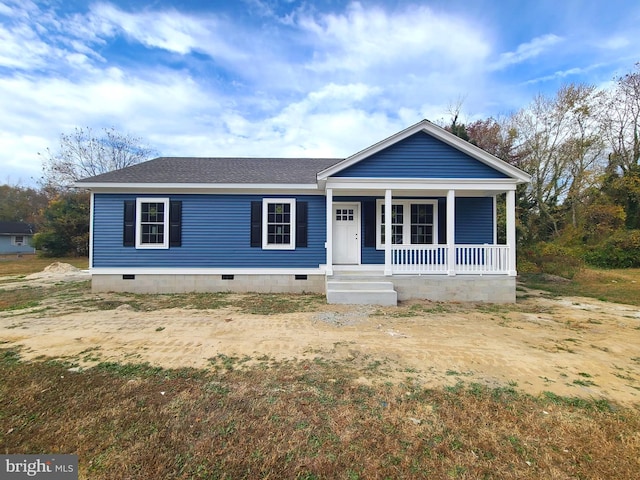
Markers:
point(227, 188)
point(439, 133)
point(497, 185)
point(205, 271)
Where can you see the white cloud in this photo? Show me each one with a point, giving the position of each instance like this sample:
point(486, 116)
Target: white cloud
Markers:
point(169, 30)
point(363, 38)
point(528, 50)
point(615, 42)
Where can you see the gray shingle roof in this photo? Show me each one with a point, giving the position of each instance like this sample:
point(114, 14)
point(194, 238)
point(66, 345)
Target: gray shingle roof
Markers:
point(219, 170)
point(16, 228)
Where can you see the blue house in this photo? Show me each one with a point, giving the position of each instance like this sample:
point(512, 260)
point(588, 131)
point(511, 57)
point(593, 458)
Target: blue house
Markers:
point(15, 238)
point(413, 216)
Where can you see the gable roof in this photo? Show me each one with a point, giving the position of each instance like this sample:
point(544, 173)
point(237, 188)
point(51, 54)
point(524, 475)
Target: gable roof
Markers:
point(439, 133)
point(16, 228)
point(232, 172)
point(198, 170)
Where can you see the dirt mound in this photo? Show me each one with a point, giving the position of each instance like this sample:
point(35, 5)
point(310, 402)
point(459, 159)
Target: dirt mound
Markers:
point(59, 267)
point(56, 269)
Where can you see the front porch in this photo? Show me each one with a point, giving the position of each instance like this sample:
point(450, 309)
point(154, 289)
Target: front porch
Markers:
point(431, 231)
point(444, 243)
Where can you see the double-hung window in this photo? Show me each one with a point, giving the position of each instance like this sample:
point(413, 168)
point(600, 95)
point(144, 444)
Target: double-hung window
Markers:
point(152, 223)
point(279, 223)
point(17, 240)
point(413, 222)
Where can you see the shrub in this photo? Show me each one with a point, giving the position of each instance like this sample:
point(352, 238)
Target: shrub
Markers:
point(621, 250)
point(601, 221)
point(552, 259)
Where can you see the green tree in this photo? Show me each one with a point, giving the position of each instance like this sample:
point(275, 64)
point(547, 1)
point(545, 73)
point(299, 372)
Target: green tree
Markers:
point(21, 204)
point(65, 226)
point(623, 189)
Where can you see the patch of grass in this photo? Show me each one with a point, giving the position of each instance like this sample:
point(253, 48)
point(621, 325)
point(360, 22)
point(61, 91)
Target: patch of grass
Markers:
point(273, 304)
point(619, 285)
point(27, 264)
point(584, 383)
point(229, 363)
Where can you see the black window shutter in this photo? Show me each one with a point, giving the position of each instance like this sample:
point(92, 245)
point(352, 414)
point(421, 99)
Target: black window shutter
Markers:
point(175, 223)
point(369, 217)
point(256, 224)
point(129, 232)
point(301, 224)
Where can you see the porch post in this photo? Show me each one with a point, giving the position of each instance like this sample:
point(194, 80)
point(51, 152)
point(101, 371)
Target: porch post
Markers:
point(387, 233)
point(329, 242)
point(451, 231)
point(511, 231)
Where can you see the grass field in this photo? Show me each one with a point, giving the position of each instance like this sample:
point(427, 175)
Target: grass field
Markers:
point(26, 264)
point(620, 286)
point(303, 420)
point(307, 419)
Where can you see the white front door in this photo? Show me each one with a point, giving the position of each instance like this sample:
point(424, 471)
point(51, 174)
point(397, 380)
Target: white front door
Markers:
point(346, 233)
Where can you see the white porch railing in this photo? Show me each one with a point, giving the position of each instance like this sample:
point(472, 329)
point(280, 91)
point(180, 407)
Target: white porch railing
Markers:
point(434, 259)
point(414, 259)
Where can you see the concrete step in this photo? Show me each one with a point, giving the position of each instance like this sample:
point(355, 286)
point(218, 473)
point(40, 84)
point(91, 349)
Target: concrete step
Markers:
point(357, 292)
point(358, 285)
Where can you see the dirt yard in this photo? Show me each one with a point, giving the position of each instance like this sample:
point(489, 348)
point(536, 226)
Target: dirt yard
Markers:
point(569, 346)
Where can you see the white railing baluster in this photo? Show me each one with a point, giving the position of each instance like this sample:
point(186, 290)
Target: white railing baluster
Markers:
point(433, 259)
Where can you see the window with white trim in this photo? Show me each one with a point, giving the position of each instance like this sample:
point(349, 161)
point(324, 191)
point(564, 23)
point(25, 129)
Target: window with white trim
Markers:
point(17, 240)
point(279, 223)
point(413, 222)
point(152, 223)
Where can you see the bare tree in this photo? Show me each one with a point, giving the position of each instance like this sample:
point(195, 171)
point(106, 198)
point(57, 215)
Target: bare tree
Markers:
point(621, 122)
point(559, 145)
point(83, 154)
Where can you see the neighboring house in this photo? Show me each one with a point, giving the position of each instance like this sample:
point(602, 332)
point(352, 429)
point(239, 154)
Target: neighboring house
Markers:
point(312, 225)
point(15, 237)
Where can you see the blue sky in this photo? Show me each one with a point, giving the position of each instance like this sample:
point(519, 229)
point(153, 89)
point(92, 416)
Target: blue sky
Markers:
point(287, 78)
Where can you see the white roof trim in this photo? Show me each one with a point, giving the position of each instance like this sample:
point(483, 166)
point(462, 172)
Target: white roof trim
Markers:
point(441, 184)
point(439, 133)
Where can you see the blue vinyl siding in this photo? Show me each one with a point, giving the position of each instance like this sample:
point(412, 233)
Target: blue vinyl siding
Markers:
point(420, 156)
point(474, 220)
point(215, 234)
point(6, 246)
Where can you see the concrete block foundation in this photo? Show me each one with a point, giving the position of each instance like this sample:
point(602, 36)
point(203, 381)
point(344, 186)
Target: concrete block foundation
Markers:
point(442, 288)
point(168, 283)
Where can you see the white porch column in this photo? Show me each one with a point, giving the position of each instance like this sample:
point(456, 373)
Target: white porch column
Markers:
point(329, 242)
point(451, 231)
point(511, 231)
point(387, 233)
